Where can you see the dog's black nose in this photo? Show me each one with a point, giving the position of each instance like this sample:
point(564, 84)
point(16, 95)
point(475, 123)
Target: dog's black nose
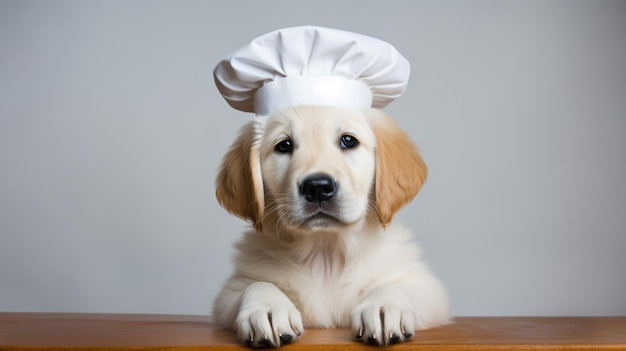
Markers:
point(318, 188)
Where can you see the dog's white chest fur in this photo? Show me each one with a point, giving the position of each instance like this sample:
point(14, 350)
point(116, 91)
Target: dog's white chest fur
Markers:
point(323, 279)
point(313, 274)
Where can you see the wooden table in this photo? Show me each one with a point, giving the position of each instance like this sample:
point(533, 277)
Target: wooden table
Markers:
point(37, 331)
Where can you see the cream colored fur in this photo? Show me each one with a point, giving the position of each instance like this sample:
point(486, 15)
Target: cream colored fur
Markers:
point(333, 263)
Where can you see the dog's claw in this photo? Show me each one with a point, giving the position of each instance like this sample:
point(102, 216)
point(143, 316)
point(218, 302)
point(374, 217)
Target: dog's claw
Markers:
point(286, 338)
point(394, 338)
point(359, 335)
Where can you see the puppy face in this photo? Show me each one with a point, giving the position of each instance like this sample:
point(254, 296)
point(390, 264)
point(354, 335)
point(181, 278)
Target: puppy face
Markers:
point(317, 166)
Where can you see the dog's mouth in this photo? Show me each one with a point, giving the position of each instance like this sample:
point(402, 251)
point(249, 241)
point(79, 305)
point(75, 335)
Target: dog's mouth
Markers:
point(323, 219)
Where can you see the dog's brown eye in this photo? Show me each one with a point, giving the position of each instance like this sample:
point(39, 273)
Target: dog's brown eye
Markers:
point(348, 142)
point(284, 147)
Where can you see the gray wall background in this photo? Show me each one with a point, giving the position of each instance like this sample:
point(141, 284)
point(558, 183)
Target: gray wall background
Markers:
point(111, 132)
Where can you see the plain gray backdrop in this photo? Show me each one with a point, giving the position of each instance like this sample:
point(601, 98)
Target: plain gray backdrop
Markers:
point(111, 133)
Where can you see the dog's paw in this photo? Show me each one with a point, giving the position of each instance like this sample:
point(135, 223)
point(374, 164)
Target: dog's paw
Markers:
point(267, 317)
point(383, 321)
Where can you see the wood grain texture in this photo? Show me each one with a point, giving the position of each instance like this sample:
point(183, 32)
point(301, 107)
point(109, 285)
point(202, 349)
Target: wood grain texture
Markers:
point(35, 331)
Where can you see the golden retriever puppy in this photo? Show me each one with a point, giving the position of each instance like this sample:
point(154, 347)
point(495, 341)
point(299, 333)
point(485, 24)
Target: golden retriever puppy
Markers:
point(321, 186)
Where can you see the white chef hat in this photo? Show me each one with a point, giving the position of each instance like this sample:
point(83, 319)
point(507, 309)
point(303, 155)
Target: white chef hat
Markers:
point(311, 65)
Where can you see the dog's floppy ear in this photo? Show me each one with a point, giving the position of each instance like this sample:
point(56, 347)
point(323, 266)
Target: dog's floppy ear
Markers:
point(239, 184)
point(400, 170)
